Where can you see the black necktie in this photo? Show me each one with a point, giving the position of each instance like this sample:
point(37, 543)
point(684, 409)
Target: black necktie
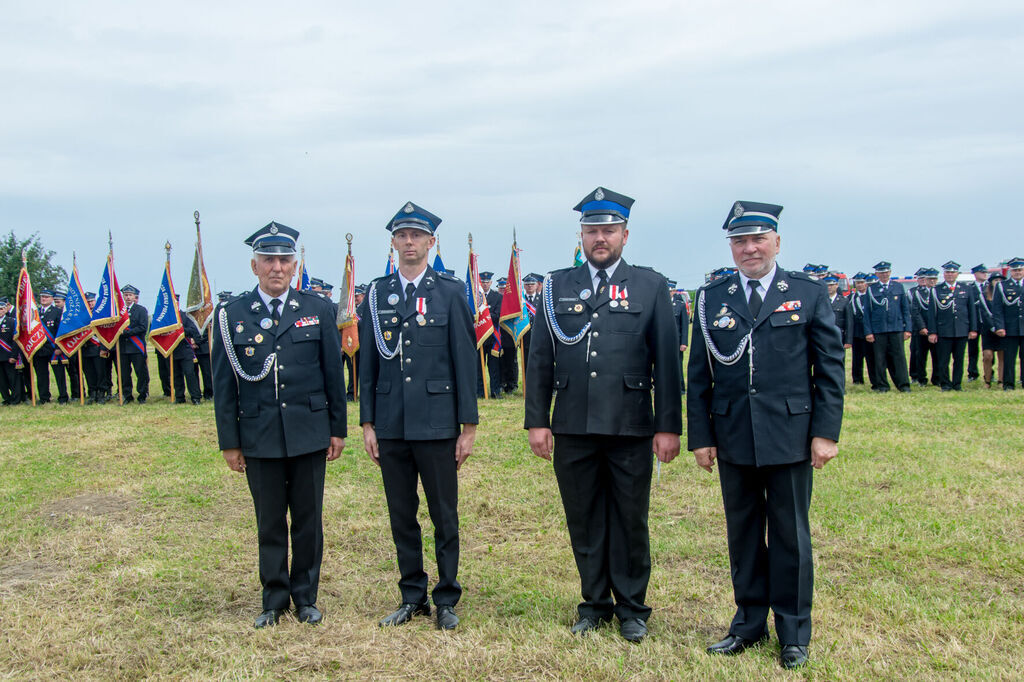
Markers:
point(275, 315)
point(410, 289)
point(755, 298)
point(602, 283)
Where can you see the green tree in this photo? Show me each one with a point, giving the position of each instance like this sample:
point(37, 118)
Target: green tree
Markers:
point(44, 273)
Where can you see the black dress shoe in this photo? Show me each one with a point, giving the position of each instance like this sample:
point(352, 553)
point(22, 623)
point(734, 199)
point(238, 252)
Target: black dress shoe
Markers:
point(309, 614)
point(585, 624)
point(269, 618)
point(446, 618)
point(404, 614)
point(905, 389)
point(633, 629)
point(734, 644)
point(793, 656)
point(142, 400)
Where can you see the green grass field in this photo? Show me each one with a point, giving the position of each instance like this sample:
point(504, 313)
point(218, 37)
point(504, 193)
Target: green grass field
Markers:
point(127, 551)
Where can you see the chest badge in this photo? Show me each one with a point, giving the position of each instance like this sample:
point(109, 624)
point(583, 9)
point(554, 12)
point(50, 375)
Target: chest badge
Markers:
point(266, 323)
point(782, 285)
point(258, 338)
point(393, 299)
point(613, 304)
point(578, 308)
point(387, 335)
point(250, 351)
point(420, 320)
point(239, 328)
point(585, 294)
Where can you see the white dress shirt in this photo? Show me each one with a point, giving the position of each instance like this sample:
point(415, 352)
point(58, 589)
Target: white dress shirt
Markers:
point(762, 283)
point(608, 271)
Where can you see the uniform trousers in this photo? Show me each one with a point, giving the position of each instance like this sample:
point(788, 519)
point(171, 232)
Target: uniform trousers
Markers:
point(137, 363)
point(41, 366)
point(432, 462)
point(185, 375)
point(972, 357)
point(769, 535)
point(682, 373)
point(206, 374)
point(889, 353)
point(10, 383)
point(65, 374)
point(509, 363)
point(605, 484)
point(920, 349)
point(951, 346)
point(863, 353)
point(280, 487)
point(163, 369)
point(104, 367)
point(350, 391)
point(1013, 349)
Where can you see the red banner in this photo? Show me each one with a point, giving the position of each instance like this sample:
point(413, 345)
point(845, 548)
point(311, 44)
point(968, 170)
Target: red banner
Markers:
point(31, 332)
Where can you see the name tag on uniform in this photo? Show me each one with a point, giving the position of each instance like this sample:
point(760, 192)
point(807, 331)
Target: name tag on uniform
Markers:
point(787, 306)
point(307, 321)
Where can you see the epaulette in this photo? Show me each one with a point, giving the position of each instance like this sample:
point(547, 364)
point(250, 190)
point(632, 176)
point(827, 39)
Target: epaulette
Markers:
point(797, 274)
point(450, 278)
point(715, 282)
point(559, 271)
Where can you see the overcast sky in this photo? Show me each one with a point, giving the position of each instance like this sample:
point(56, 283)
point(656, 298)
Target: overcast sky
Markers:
point(888, 130)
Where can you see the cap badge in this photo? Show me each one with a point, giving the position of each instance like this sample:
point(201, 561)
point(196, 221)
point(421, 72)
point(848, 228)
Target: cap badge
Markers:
point(737, 209)
point(408, 208)
point(782, 285)
point(273, 229)
point(599, 194)
point(585, 294)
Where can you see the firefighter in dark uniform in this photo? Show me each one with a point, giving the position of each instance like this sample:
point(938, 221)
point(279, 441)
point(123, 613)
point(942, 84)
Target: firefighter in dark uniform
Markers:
point(842, 310)
point(279, 403)
point(605, 336)
point(766, 400)
point(65, 368)
point(682, 318)
point(531, 294)
point(952, 320)
point(185, 363)
point(417, 381)
point(1008, 319)
point(491, 352)
point(90, 358)
point(887, 325)
point(862, 351)
point(509, 361)
point(49, 315)
point(10, 354)
point(977, 289)
point(133, 347)
point(921, 347)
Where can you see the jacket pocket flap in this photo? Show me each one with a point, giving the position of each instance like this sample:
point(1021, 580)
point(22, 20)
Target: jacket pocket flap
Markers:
point(626, 306)
point(798, 405)
point(383, 387)
point(720, 406)
point(561, 381)
point(437, 319)
point(637, 381)
point(317, 401)
point(311, 333)
point(786, 319)
point(439, 386)
point(570, 307)
point(248, 338)
point(248, 408)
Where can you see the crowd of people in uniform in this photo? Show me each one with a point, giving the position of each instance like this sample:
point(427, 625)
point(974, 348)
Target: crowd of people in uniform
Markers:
point(603, 391)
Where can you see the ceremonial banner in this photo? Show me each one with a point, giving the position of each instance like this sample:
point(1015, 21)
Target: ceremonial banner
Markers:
point(199, 298)
point(390, 268)
point(31, 335)
point(577, 256)
point(514, 318)
point(165, 329)
point(302, 281)
point(76, 322)
point(438, 263)
point(110, 314)
point(348, 321)
point(477, 301)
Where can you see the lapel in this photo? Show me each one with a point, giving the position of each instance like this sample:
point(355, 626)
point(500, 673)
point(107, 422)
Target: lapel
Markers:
point(579, 281)
point(254, 306)
point(773, 297)
point(619, 278)
point(292, 310)
point(737, 301)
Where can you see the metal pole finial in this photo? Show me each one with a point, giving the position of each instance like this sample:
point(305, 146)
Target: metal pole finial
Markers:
point(470, 239)
point(167, 248)
point(196, 216)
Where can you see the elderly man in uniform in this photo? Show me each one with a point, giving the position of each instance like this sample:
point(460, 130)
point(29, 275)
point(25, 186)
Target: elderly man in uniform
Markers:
point(887, 325)
point(605, 337)
point(766, 400)
point(133, 347)
point(279, 402)
point(1008, 320)
point(417, 377)
point(952, 319)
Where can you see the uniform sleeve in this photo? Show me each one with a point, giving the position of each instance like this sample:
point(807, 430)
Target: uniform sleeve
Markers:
point(827, 371)
point(866, 314)
point(905, 309)
point(684, 327)
point(332, 368)
point(699, 433)
point(668, 416)
point(462, 349)
point(848, 327)
point(225, 389)
point(369, 361)
point(138, 322)
point(541, 374)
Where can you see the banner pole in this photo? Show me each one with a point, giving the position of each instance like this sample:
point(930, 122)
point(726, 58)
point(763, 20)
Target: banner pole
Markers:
point(81, 379)
point(483, 373)
point(355, 378)
point(120, 383)
point(32, 380)
point(522, 368)
point(170, 364)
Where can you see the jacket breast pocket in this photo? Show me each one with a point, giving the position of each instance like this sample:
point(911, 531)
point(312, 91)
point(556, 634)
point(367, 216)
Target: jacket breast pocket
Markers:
point(434, 331)
point(788, 329)
point(305, 342)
